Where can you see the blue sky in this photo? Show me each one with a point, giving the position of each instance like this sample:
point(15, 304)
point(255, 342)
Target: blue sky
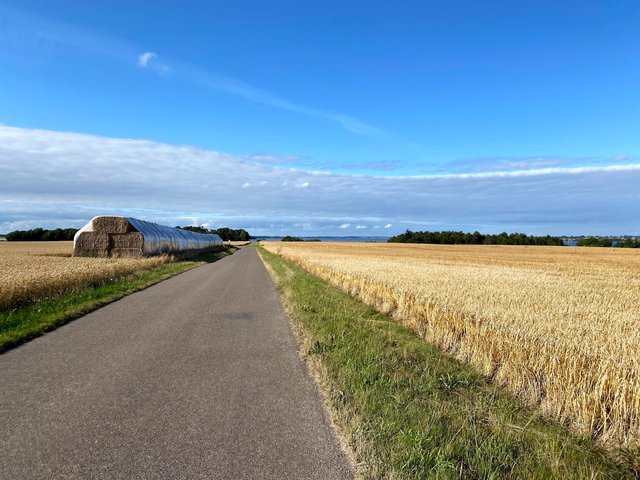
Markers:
point(465, 115)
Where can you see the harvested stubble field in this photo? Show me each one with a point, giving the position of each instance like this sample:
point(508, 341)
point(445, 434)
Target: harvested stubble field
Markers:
point(34, 270)
point(557, 326)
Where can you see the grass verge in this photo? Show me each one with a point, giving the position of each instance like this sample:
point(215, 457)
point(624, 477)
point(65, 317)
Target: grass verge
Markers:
point(408, 411)
point(33, 319)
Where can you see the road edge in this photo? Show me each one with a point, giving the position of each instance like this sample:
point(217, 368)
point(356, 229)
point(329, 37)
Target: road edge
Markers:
point(314, 371)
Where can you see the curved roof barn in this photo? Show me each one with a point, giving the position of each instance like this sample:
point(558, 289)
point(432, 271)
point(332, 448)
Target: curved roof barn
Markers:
point(110, 236)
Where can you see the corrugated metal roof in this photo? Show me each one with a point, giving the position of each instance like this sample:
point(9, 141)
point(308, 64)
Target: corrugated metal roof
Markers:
point(163, 239)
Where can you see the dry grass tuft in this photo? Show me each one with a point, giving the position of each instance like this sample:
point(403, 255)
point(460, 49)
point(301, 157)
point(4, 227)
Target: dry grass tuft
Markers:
point(557, 326)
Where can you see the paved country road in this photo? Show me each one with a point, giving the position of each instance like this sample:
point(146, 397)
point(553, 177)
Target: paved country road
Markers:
point(195, 377)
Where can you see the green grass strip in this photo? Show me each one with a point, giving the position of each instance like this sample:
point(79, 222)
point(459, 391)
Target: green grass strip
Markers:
point(408, 411)
point(21, 324)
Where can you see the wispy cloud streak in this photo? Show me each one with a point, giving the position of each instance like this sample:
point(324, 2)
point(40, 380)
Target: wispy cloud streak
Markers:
point(20, 29)
point(540, 163)
point(247, 91)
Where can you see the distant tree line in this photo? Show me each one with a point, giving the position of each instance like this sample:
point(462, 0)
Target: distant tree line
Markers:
point(41, 234)
point(289, 238)
point(608, 242)
point(227, 234)
point(475, 238)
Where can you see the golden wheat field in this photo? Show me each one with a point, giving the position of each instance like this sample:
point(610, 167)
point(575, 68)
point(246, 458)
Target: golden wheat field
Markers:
point(557, 326)
point(30, 270)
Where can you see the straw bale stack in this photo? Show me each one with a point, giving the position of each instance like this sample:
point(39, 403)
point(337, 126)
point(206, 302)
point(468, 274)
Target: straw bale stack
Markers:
point(127, 244)
point(112, 225)
point(91, 244)
point(129, 237)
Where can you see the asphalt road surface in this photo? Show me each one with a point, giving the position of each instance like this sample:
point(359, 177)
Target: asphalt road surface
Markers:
point(195, 377)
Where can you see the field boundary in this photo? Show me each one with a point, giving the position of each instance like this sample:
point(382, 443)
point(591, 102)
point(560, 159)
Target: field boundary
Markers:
point(407, 410)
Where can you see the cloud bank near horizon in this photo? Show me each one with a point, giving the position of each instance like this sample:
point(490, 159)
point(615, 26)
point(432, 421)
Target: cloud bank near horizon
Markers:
point(52, 179)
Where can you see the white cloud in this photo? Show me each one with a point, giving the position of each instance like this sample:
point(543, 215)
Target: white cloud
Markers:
point(149, 60)
point(360, 227)
point(246, 185)
point(145, 58)
point(535, 164)
point(302, 185)
point(56, 179)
